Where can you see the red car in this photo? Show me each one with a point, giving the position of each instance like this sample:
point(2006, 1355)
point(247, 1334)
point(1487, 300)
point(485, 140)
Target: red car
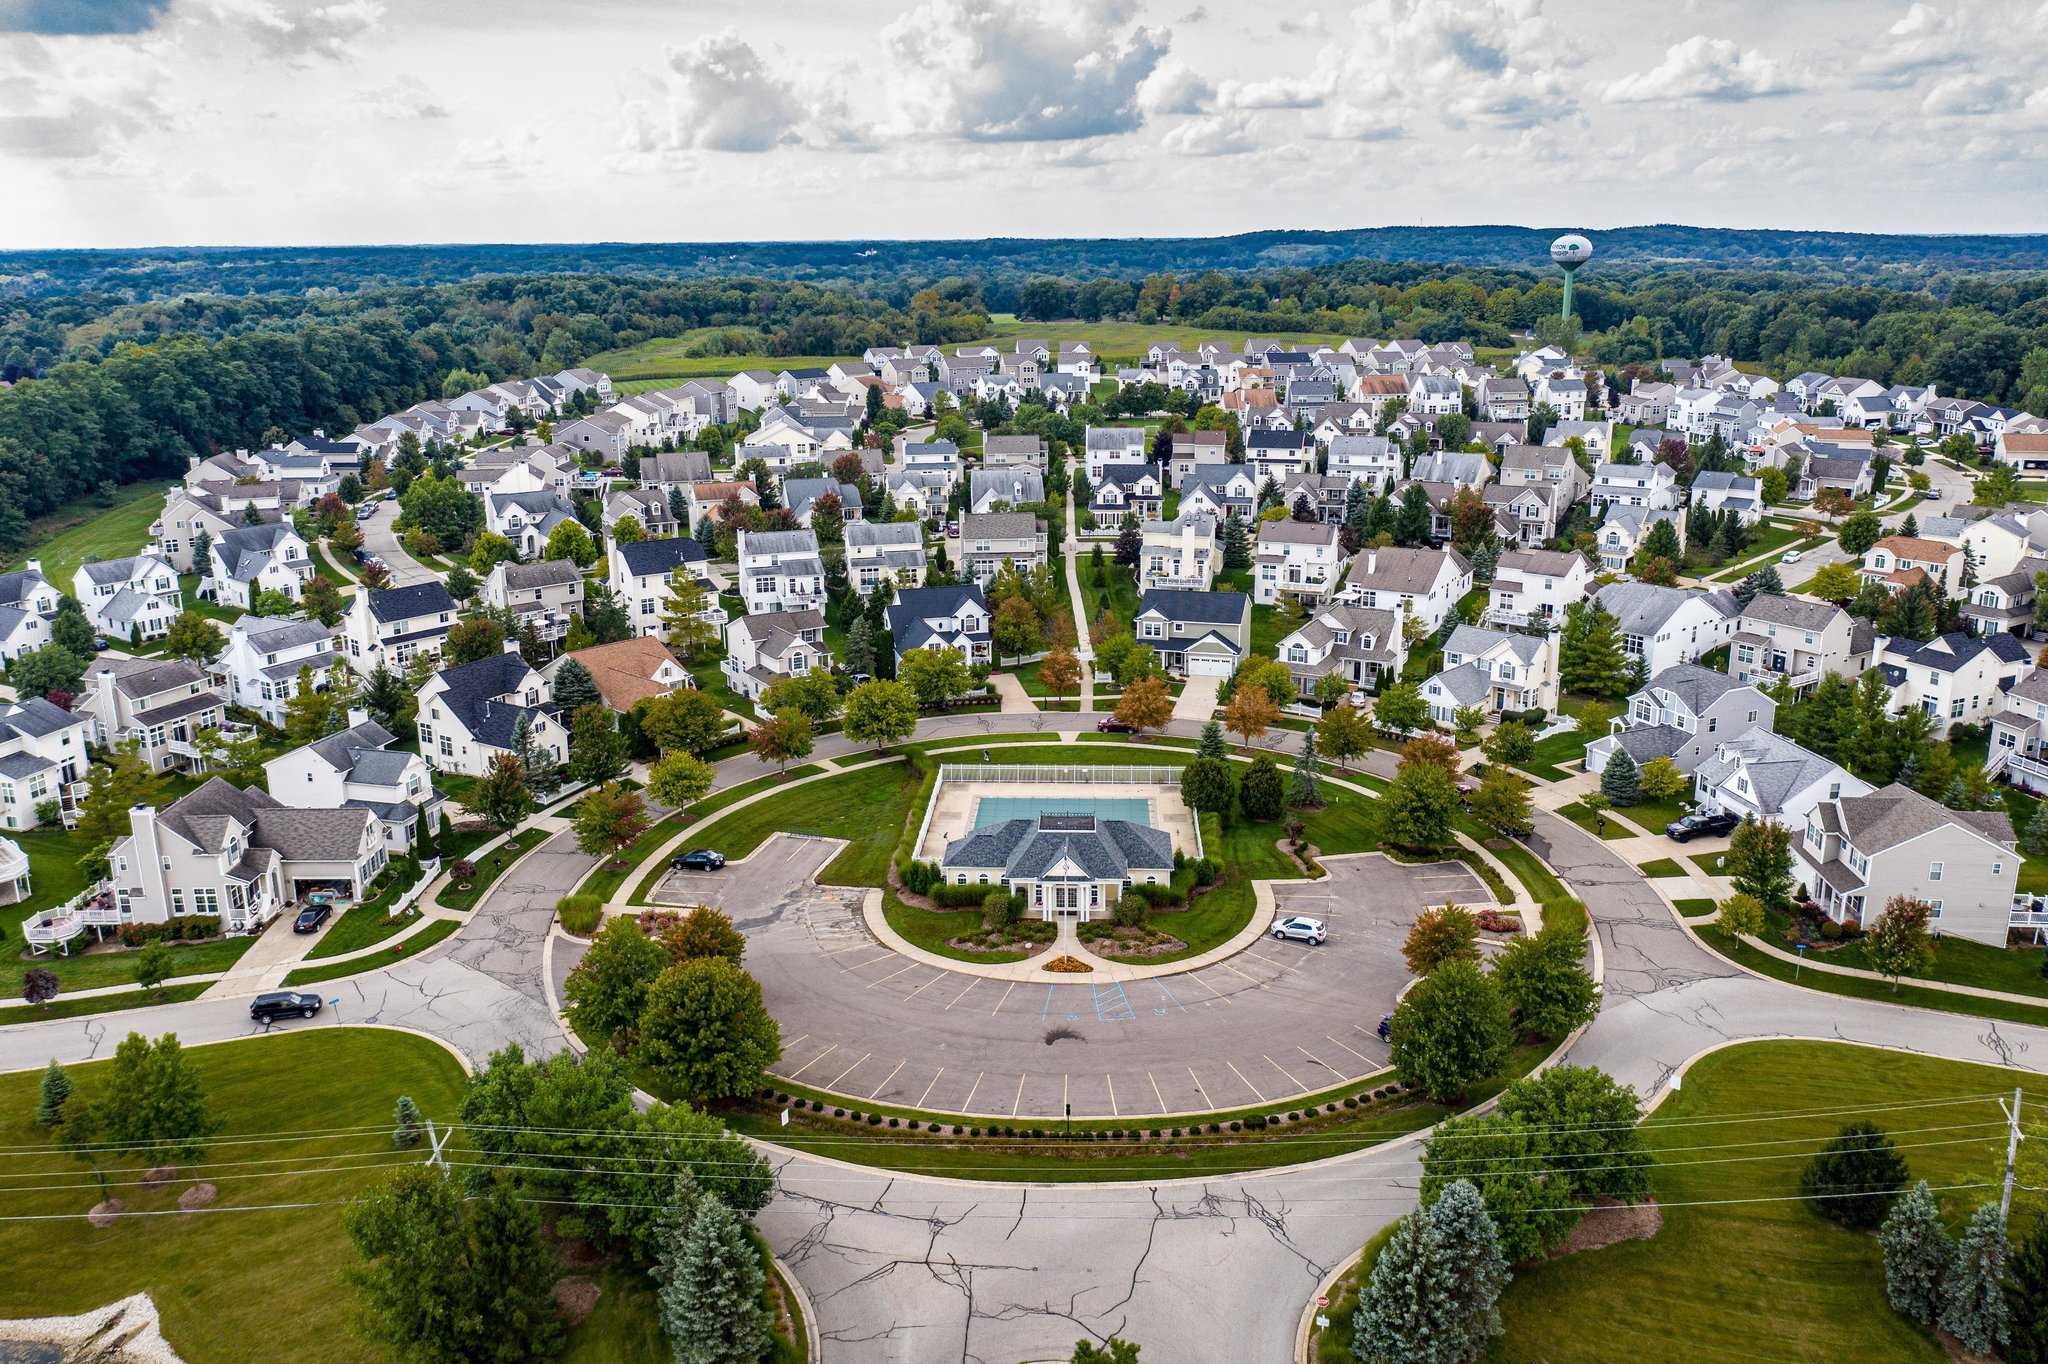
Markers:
point(1115, 727)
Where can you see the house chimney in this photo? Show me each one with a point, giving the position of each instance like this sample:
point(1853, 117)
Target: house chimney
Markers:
point(511, 646)
point(358, 715)
point(1372, 559)
point(35, 565)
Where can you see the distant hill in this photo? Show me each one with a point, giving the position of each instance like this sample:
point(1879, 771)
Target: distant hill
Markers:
point(178, 270)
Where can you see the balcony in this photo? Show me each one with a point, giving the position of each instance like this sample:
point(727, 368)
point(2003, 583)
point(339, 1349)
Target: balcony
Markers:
point(1768, 677)
point(2029, 912)
point(49, 928)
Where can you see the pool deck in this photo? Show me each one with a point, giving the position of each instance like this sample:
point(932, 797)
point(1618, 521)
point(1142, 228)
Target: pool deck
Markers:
point(956, 804)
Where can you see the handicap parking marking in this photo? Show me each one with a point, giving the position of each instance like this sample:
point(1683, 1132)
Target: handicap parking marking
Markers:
point(1112, 1005)
point(1046, 1012)
point(1171, 997)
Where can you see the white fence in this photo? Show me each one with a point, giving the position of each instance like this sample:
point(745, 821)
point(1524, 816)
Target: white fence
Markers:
point(428, 871)
point(1041, 774)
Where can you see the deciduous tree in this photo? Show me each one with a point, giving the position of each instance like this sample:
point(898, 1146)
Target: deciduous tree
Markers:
point(608, 820)
point(880, 713)
point(1145, 704)
point(1451, 1031)
point(705, 1033)
point(1441, 933)
point(782, 737)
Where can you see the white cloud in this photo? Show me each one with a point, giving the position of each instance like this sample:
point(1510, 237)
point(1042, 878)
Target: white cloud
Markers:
point(1278, 92)
point(60, 102)
point(727, 99)
point(293, 33)
point(1701, 68)
point(1215, 135)
point(1174, 87)
point(1493, 63)
point(406, 97)
point(1013, 71)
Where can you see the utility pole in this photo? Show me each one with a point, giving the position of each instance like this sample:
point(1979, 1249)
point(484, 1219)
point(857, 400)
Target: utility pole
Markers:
point(436, 1140)
point(2012, 1151)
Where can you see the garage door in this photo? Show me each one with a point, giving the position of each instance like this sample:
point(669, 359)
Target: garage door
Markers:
point(1206, 665)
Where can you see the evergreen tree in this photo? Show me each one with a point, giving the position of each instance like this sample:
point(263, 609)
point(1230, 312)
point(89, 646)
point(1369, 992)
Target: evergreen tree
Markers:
point(1917, 1254)
point(1381, 518)
point(1304, 784)
point(1212, 744)
point(706, 535)
point(1621, 781)
point(1412, 523)
point(1259, 792)
point(1237, 545)
point(406, 1123)
point(860, 647)
point(2037, 830)
point(1433, 1295)
point(202, 551)
point(1472, 1246)
point(1855, 1178)
point(1973, 1306)
point(711, 1283)
point(1591, 658)
point(543, 774)
point(597, 751)
point(575, 688)
point(2026, 1298)
point(1764, 582)
point(1910, 527)
point(57, 1087)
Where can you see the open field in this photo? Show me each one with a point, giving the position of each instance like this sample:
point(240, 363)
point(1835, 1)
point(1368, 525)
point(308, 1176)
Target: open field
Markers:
point(86, 530)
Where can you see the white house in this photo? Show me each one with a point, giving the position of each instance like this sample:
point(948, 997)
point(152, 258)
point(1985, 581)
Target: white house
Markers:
point(1666, 626)
point(1683, 714)
point(1958, 678)
point(392, 625)
point(1181, 554)
point(42, 753)
point(1622, 534)
point(781, 571)
point(1534, 586)
point(253, 559)
point(1359, 644)
point(1371, 460)
point(641, 577)
point(1856, 853)
point(987, 542)
point(1495, 670)
point(527, 519)
point(1299, 558)
point(28, 605)
point(1797, 641)
point(1423, 583)
point(259, 667)
point(1104, 445)
point(892, 551)
point(1760, 775)
point(952, 617)
point(133, 598)
point(763, 648)
point(358, 769)
point(164, 705)
point(1719, 491)
point(1898, 561)
point(1003, 488)
point(471, 714)
point(547, 595)
point(1654, 486)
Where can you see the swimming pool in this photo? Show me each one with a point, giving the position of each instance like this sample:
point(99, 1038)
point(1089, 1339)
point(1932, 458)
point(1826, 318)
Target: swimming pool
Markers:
point(996, 809)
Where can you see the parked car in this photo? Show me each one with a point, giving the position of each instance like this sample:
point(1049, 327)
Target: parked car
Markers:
point(283, 1004)
point(366, 511)
point(359, 554)
point(1790, 556)
point(311, 917)
point(1301, 928)
point(953, 529)
point(99, 643)
point(1701, 822)
point(703, 859)
point(391, 494)
point(1115, 727)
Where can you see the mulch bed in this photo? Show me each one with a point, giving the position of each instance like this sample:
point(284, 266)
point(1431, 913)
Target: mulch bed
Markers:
point(158, 1175)
point(1609, 1222)
point(196, 1197)
point(104, 1215)
point(1024, 945)
point(1133, 942)
point(576, 1299)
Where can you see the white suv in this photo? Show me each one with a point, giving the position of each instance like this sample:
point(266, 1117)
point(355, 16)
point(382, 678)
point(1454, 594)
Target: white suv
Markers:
point(1302, 929)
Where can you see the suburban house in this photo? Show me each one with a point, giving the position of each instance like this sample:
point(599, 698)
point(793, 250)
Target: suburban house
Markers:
point(607, 435)
point(1106, 445)
point(2019, 734)
point(1372, 460)
point(702, 500)
point(1719, 491)
point(1065, 866)
point(243, 855)
point(641, 578)
point(471, 714)
point(933, 463)
point(762, 648)
point(1454, 468)
point(1761, 775)
point(628, 671)
point(1856, 853)
point(649, 508)
point(891, 551)
point(1003, 488)
point(175, 533)
point(1898, 561)
point(1359, 644)
point(252, 559)
point(1798, 641)
point(358, 769)
point(132, 599)
point(547, 595)
point(1957, 678)
point(1196, 634)
point(1014, 452)
point(1550, 464)
point(1495, 670)
point(42, 752)
point(28, 604)
point(1423, 583)
point(162, 704)
point(1126, 489)
point(388, 627)
point(1220, 490)
point(992, 539)
point(952, 617)
point(1666, 626)
point(527, 519)
point(258, 669)
point(1524, 515)
point(1622, 534)
point(1315, 497)
point(1534, 586)
point(1683, 714)
point(1298, 558)
point(1182, 553)
point(1186, 450)
point(676, 471)
point(801, 496)
point(1276, 454)
point(780, 570)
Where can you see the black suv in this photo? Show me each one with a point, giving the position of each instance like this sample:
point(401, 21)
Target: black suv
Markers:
point(283, 1004)
point(1700, 822)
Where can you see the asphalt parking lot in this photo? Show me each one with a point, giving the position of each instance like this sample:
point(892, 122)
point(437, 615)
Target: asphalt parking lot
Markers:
point(1277, 1020)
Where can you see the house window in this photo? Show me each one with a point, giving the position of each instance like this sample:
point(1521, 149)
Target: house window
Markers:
point(1934, 871)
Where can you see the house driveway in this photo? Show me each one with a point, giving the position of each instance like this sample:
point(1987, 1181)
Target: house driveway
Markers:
point(1197, 700)
point(1016, 701)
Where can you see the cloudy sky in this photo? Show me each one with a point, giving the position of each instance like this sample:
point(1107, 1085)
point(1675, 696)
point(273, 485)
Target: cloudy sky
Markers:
point(139, 122)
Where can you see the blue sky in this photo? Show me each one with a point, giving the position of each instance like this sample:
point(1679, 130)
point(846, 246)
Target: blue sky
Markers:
point(128, 122)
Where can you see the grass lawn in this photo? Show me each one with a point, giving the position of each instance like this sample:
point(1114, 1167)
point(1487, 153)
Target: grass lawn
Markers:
point(1652, 815)
point(416, 944)
point(1592, 823)
point(1662, 866)
point(1553, 753)
point(867, 808)
point(488, 870)
point(55, 871)
point(1765, 1279)
point(100, 1004)
point(1858, 988)
point(712, 681)
point(84, 529)
point(1694, 908)
point(1958, 961)
point(1120, 596)
point(609, 876)
point(363, 924)
point(97, 970)
point(200, 1268)
point(1710, 863)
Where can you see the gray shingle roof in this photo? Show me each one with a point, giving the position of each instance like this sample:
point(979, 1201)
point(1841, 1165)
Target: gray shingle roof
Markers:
point(1886, 818)
point(646, 558)
point(1643, 608)
point(1776, 767)
point(405, 603)
point(1202, 608)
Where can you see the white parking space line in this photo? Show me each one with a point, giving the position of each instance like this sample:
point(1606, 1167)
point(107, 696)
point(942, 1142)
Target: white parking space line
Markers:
point(999, 1003)
point(892, 1075)
point(1155, 1091)
point(928, 1088)
point(967, 1104)
point(1235, 972)
point(1212, 989)
point(1018, 1102)
point(1361, 1056)
point(926, 986)
point(814, 1060)
point(1198, 1089)
point(891, 976)
point(879, 956)
point(848, 1071)
point(1114, 1112)
point(1247, 1083)
point(1283, 1070)
point(1312, 1056)
point(972, 981)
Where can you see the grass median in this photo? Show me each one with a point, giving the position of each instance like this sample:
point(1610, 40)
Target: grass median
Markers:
point(398, 951)
point(489, 867)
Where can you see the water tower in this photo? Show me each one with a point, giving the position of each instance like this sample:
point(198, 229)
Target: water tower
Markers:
point(1570, 251)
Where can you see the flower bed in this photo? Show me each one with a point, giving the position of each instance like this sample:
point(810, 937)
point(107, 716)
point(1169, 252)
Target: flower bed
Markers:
point(1068, 965)
point(1493, 921)
point(1110, 940)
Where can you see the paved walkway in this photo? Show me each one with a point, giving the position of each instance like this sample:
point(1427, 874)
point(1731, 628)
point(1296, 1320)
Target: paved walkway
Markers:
point(1084, 650)
point(1016, 701)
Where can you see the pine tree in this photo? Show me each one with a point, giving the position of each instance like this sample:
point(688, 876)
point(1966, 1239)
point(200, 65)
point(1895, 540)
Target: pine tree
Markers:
point(1591, 657)
point(407, 1123)
point(1471, 1244)
point(1212, 744)
point(1973, 1307)
point(1408, 1312)
point(2037, 830)
point(1621, 781)
point(1304, 784)
point(1957, 796)
point(1237, 545)
point(2026, 1297)
point(575, 688)
point(1917, 1254)
point(711, 1281)
point(57, 1087)
point(1764, 582)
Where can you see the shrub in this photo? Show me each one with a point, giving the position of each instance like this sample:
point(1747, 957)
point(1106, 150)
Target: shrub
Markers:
point(1830, 930)
point(461, 870)
point(580, 914)
point(1130, 908)
point(1856, 1177)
